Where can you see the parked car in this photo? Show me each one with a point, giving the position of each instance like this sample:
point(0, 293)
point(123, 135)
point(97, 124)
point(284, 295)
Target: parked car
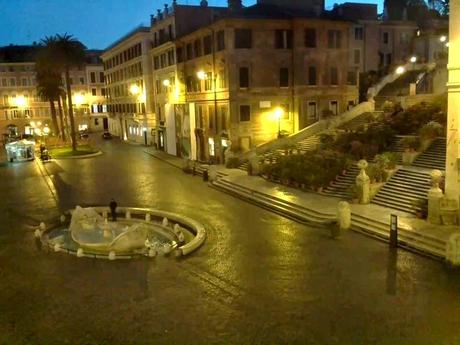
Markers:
point(106, 135)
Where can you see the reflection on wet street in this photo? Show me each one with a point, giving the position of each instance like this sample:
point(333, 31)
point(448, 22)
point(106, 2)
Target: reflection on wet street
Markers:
point(258, 279)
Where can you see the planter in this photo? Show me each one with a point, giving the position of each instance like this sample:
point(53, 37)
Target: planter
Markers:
point(408, 157)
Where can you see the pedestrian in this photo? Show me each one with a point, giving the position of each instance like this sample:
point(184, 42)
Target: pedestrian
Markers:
point(113, 209)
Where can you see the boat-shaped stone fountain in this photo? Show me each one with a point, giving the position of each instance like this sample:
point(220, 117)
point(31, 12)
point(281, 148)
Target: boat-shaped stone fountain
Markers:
point(90, 232)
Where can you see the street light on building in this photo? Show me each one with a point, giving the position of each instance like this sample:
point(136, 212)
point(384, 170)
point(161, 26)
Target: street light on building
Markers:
point(201, 75)
point(166, 83)
point(134, 89)
point(400, 70)
point(79, 99)
point(413, 59)
point(443, 38)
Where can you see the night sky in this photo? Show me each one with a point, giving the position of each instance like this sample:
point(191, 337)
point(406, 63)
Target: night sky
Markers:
point(97, 23)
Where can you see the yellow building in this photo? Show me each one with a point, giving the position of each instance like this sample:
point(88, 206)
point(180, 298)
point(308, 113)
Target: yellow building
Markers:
point(128, 79)
point(21, 106)
point(250, 75)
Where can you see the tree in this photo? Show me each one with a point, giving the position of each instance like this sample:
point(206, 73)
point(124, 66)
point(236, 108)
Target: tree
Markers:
point(49, 88)
point(65, 52)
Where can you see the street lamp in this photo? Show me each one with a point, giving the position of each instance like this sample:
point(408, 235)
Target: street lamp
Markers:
point(166, 82)
point(279, 112)
point(413, 59)
point(46, 131)
point(443, 38)
point(134, 89)
point(79, 99)
point(201, 75)
point(400, 70)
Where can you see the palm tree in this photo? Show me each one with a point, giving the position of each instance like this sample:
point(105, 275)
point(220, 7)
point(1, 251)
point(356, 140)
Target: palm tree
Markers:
point(49, 88)
point(65, 52)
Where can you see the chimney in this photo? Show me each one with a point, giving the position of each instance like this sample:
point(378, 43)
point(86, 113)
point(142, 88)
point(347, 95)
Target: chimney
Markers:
point(234, 4)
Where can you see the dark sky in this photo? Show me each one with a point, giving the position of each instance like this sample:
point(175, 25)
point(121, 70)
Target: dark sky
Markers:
point(97, 23)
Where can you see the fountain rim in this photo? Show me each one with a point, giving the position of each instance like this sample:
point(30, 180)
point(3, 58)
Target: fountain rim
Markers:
point(195, 227)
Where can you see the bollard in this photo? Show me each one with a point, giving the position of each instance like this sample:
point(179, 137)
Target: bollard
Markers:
point(205, 175)
point(394, 231)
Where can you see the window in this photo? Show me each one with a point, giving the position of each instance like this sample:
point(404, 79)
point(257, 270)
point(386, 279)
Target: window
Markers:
point(312, 110)
point(82, 80)
point(244, 77)
point(179, 54)
point(207, 45)
point(334, 39)
point(189, 84)
point(170, 57)
point(312, 78)
point(334, 76)
point(243, 39)
point(189, 49)
point(245, 113)
point(101, 77)
point(13, 81)
point(211, 117)
point(156, 62)
point(93, 92)
point(388, 59)
point(310, 38)
point(197, 47)
point(357, 56)
point(163, 60)
point(93, 77)
point(208, 82)
point(351, 78)
point(385, 37)
point(223, 117)
point(222, 79)
point(103, 92)
point(283, 39)
point(220, 40)
point(284, 77)
point(334, 107)
point(24, 82)
point(359, 34)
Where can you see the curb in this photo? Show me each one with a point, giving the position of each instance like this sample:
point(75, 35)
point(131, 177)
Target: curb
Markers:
point(163, 160)
point(98, 153)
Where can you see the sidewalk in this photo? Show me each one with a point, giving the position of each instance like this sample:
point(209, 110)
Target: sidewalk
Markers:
point(371, 219)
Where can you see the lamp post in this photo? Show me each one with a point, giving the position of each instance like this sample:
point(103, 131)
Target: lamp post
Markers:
point(46, 131)
point(279, 112)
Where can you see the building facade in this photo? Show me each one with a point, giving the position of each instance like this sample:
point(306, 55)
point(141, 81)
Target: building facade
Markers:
point(249, 77)
point(128, 79)
point(21, 106)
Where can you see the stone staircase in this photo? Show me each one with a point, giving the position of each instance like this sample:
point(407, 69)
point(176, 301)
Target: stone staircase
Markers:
point(434, 157)
point(402, 189)
point(407, 238)
point(339, 187)
point(305, 145)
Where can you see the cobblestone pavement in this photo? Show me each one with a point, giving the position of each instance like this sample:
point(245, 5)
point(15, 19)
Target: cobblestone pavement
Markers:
point(258, 279)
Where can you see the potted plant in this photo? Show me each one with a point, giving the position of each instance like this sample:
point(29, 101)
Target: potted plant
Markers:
point(411, 145)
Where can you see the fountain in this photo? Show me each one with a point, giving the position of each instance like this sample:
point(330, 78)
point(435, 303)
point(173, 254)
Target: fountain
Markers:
point(87, 232)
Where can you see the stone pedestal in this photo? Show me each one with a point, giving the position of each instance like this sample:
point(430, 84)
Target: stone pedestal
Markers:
point(254, 170)
point(435, 195)
point(412, 89)
point(448, 210)
point(453, 249)
point(363, 183)
point(213, 173)
point(344, 215)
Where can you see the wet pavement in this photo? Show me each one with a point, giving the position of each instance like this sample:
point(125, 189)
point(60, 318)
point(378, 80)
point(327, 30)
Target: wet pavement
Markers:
point(258, 279)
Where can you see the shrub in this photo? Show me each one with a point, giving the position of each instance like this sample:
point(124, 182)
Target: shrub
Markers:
point(431, 130)
point(411, 143)
point(233, 163)
point(390, 159)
